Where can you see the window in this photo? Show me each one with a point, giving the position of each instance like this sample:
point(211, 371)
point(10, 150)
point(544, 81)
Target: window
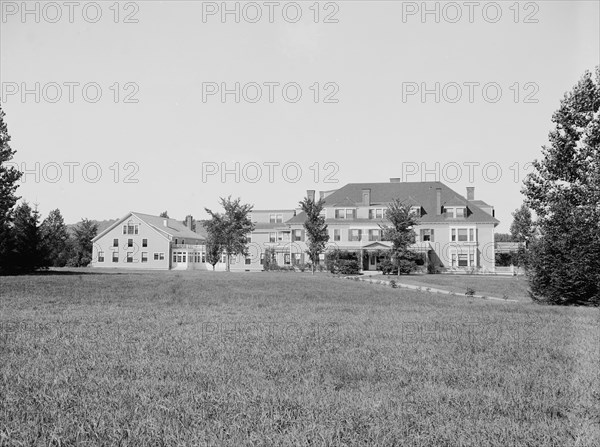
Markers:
point(463, 235)
point(178, 256)
point(100, 256)
point(460, 212)
point(144, 242)
point(336, 235)
point(354, 235)
point(130, 229)
point(184, 256)
point(463, 261)
point(174, 257)
point(115, 256)
point(248, 260)
point(130, 242)
point(297, 258)
point(144, 256)
point(129, 256)
point(345, 213)
point(159, 256)
point(249, 239)
point(350, 214)
point(376, 213)
point(224, 258)
point(297, 235)
point(340, 214)
point(262, 259)
point(115, 242)
point(374, 235)
point(427, 235)
point(276, 218)
point(272, 237)
point(203, 257)
point(124, 229)
point(286, 259)
point(182, 241)
point(415, 210)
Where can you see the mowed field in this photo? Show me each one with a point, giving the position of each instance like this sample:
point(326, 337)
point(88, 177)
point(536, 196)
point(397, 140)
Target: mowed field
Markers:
point(208, 358)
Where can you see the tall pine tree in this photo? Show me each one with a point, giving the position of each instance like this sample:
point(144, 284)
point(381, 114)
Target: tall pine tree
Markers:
point(564, 191)
point(28, 250)
point(9, 177)
point(55, 239)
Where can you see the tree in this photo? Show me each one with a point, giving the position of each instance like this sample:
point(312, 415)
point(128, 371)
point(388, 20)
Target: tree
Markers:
point(317, 235)
point(231, 229)
point(164, 214)
point(9, 177)
point(84, 232)
point(55, 238)
point(503, 237)
point(213, 249)
point(401, 234)
point(522, 229)
point(28, 251)
point(564, 192)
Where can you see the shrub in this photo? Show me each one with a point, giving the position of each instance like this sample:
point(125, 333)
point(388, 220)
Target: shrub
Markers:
point(393, 284)
point(431, 269)
point(348, 267)
point(470, 291)
point(342, 262)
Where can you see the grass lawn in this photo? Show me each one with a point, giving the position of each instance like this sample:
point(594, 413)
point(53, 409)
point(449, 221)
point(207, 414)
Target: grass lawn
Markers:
point(514, 287)
point(288, 359)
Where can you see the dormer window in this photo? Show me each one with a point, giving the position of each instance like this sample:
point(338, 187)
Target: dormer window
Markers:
point(345, 213)
point(375, 213)
point(415, 210)
point(276, 218)
point(456, 211)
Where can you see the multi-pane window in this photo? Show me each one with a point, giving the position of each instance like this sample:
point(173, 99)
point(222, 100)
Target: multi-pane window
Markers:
point(297, 258)
point(115, 256)
point(131, 228)
point(159, 256)
point(130, 242)
point(337, 235)
point(375, 213)
point(354, 235)
point(463, 235)
point(374, 235)
point(296, 235)
point(427, 235)
point(115, 242)
point(415, 210)
point(184, 256)
point(286, 259)
point(345, 213)
point(129, 256)
point(276, 218)
point(248, 260)
point(100, 256)
point(272, 237)
point(144, 256)
point(463, 260)
point(124, 229)
point(144, 242)
point(203, 257)
point(460, 212)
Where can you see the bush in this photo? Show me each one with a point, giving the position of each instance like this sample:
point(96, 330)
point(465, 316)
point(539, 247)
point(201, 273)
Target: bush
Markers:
point(393, 284)
point(470, 291)
point(342, 262)
point(348, 267)
point(431, 269)
point(387, 267)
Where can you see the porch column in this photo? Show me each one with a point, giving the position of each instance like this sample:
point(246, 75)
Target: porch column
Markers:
point(360, 263)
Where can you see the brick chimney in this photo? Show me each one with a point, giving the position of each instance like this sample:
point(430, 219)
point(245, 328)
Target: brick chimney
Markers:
point(366, 196)
point(394, 179)
point(470, 193)
point(438, 201)
point(189, 221)
point(311, 194)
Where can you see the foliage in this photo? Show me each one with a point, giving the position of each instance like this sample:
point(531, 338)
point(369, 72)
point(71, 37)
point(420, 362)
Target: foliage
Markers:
point(270, 260)
point(213, 249)
point(55, 239)
point(231, 228)
point(470, 291)
point(393, 284)
point(9, 177)
point(342, 261)
point(503, 237)
point(400, 233)
point(564, 192)
point(28, 253)
point(522, 228)
point(164, 214)
point(83, 233)
point(317, 235)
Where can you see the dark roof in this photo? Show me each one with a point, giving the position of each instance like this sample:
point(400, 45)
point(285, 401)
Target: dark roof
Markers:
point(422, 193)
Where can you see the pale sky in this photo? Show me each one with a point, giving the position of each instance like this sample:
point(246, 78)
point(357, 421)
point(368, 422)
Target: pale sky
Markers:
point(373, 60)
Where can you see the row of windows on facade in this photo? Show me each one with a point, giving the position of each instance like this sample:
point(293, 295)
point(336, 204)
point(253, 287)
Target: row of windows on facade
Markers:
point(379, 213)
point(129, 256)
point(356, 235)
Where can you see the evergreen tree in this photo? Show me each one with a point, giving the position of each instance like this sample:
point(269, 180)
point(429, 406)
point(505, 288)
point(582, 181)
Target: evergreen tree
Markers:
point(317, 235)
point(28, 250)
point(81, 254)
point(564, 192)
point(9, 177)
point(164, 214)
point(55, 238)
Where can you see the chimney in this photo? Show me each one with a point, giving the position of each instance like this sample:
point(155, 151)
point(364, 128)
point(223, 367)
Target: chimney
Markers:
point(311, 194)
point(165, 222)
point(470, 193)
point(366, 196)
point(188, 221)
point(394, 179)
point(438, 201)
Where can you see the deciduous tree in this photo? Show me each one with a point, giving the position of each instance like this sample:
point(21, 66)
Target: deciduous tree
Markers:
point(317, 235)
